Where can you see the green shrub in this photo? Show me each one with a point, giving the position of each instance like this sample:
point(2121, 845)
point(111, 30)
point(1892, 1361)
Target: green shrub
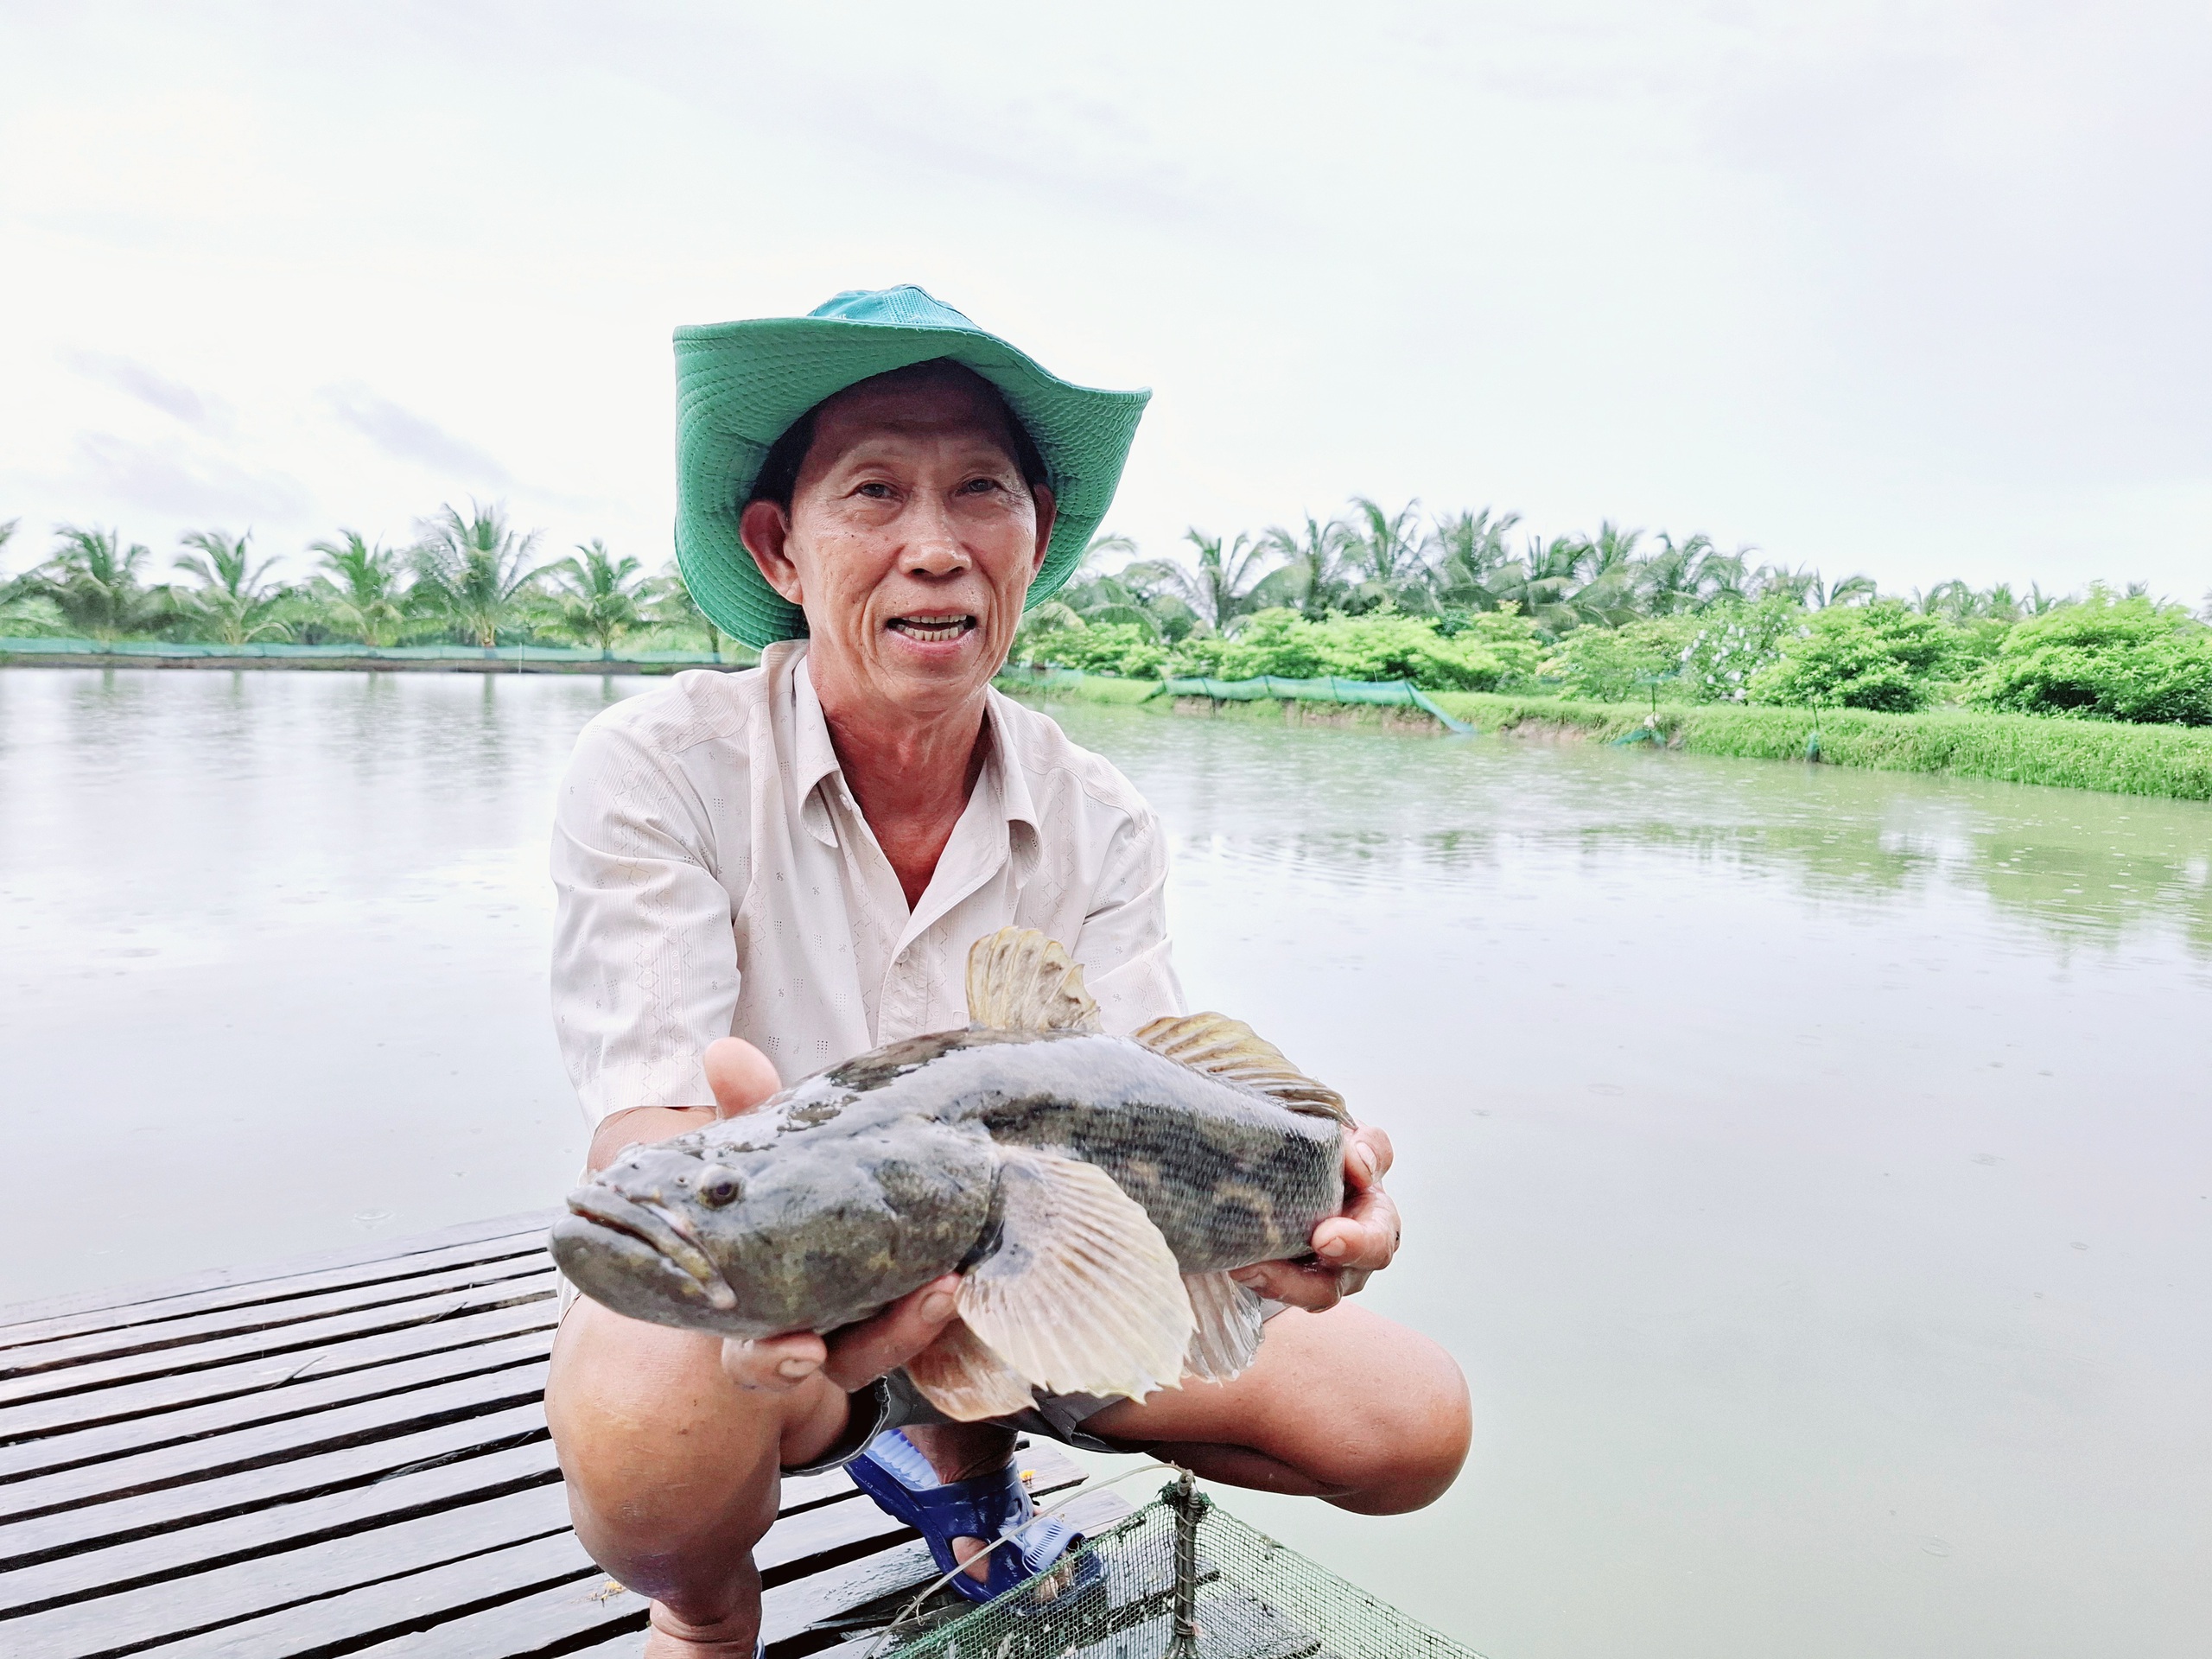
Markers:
point(1734, 643)
point(1381, 645)
point(1880, 655)
point(1619, 665)
point(1122, 648)
point(2104, 658)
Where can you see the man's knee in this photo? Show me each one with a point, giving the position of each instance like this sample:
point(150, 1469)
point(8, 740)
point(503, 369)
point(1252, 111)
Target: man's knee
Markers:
point(664, 1460)
point(1403, 1445)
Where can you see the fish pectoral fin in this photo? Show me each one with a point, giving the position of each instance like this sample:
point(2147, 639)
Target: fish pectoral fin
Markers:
point(1084, 1295)
point(962, 1377)
point(1221, 1047)
point(1019, 980)
point(1227, 1339)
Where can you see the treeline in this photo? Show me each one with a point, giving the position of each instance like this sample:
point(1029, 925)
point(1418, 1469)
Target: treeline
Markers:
point(1452, 604)
point(467, 578)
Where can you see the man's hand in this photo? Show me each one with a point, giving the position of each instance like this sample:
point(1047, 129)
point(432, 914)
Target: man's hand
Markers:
point(1351, 1245)
point(741, 1077)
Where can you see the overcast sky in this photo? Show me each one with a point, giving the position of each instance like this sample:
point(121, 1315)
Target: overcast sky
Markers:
point(1916, 290)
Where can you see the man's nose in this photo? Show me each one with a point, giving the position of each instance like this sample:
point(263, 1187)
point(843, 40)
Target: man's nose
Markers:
point(933, 546)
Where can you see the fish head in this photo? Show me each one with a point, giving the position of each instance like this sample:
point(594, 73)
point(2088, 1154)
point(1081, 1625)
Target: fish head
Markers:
point(808, 1233)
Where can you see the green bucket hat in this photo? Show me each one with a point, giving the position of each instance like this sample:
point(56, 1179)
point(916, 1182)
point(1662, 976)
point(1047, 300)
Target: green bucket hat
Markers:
point(739, 384)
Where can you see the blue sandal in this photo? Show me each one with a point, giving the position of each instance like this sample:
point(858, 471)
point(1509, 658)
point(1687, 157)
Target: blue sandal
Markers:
point(899, 1478)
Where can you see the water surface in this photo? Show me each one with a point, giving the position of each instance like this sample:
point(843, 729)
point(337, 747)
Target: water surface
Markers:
point(1809, 1167)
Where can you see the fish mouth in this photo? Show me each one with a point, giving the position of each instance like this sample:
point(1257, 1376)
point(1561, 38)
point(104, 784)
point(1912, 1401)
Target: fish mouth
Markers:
point(659, 1232)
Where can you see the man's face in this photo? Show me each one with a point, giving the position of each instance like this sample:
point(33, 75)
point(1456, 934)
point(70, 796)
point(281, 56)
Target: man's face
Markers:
point(911, 541)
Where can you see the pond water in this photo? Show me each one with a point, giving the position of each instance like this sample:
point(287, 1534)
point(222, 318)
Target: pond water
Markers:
point(1809, 1167)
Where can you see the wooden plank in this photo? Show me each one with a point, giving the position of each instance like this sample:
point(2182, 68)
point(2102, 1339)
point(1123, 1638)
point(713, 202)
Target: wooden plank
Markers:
point(389, 1609)
point(584, 1602)
point(150, 1478)
point(286, 1407)
point(181, 1514)
point(92, 1304)
point(176, 1558)
point(264, 1584)
point(184, 1339)
point(101, 1374)
point(449, 1322)
point(136, 1316)
point(520, 1598)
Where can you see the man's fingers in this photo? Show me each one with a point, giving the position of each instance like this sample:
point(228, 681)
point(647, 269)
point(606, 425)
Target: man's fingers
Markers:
point(1297, 1284)
point(1364, 1237)
point(1367, 1159)
point(774, 1364)
point(861, 1353)
point(740, 1074)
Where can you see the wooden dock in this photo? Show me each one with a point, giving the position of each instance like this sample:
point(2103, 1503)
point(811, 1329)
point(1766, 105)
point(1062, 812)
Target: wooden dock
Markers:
point(347, 1454)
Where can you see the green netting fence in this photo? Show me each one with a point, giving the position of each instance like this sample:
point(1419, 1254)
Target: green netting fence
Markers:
point(1180, 1579)
point(186, 650)
point(1402, 694)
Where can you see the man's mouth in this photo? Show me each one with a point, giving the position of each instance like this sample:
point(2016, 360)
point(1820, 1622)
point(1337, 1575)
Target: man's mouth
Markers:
point(933, 627)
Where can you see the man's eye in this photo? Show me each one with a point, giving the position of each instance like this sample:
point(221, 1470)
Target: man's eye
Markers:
point(876, 491)
point(980, 486)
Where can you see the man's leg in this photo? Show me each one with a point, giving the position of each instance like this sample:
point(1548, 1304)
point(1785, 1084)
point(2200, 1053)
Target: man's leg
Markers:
point(1343, 1406)
point(672, 1469)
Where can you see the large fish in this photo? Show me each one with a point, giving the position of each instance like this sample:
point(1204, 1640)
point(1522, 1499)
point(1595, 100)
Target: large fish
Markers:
point(1094, 1192)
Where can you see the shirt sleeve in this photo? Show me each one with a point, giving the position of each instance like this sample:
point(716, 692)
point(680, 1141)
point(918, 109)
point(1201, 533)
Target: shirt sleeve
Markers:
point(645, 958)
point(1123, 945)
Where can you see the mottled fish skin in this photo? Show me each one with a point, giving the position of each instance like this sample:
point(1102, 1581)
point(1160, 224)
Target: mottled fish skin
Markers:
point(869, 1179)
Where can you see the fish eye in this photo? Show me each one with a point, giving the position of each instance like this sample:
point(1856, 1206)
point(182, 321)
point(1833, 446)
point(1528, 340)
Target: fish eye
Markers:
point(717, 1186)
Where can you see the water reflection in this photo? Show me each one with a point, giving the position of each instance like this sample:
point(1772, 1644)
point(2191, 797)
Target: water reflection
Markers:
point(2077, 869)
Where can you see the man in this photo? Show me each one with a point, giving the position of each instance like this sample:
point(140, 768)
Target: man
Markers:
point(761, 874)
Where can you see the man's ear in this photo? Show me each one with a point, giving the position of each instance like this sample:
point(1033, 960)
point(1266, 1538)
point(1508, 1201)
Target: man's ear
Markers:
point(765, 528)
point(1048, 509)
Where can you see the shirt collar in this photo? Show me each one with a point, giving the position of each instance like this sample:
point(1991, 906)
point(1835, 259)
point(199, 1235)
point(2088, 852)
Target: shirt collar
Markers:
point(1003, 782)
point(814, 757)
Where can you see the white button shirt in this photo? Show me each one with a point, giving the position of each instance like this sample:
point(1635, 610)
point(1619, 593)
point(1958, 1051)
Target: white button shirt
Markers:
point(715, 878)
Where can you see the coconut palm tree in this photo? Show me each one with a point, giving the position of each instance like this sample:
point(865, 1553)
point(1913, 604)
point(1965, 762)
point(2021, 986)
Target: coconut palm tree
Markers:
point(667, 600)
point(235, 599)
point(1313, 577)
point(1384, 549)
point(474, 572)
point(1467, 551)
point(1220, 589)
point(596, 596)
point(361, 593)
point(1090, 596)
point(1543, 583)
point(94, 581)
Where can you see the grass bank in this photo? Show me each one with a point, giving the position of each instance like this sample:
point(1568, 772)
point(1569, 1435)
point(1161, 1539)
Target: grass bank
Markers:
point(2172, 761)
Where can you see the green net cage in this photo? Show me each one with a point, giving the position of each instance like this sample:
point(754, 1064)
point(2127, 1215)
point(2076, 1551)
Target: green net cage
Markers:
point(1179, 1579)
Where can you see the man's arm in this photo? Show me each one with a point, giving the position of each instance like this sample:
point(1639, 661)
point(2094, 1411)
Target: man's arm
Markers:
point(644, 970)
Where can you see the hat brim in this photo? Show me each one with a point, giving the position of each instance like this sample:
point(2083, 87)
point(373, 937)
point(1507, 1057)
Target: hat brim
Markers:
point(739, 386)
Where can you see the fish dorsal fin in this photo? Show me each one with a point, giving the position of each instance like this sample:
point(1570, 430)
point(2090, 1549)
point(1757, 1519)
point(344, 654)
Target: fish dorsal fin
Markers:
point(1227, 1337)
point(1221, 1047)
point(1084, 1295)
point(965, 1380)
point(1019, 980)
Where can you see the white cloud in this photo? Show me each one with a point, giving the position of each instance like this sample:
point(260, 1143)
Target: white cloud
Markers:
point(1912, 291)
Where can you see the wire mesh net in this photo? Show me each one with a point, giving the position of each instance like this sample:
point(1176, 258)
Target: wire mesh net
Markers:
point(1180, 1579)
